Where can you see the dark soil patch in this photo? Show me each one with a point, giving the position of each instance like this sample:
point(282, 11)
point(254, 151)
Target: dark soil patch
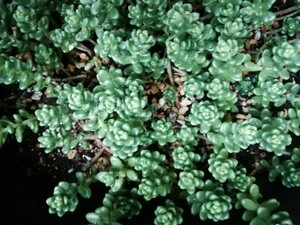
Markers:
point(26, 184)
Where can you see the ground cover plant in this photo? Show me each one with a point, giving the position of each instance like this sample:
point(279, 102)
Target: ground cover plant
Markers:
point(166, 97)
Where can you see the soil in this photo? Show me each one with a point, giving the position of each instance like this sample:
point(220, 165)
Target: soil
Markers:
point(25, 186)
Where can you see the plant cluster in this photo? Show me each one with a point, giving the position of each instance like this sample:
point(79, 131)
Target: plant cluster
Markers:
point(226, 75)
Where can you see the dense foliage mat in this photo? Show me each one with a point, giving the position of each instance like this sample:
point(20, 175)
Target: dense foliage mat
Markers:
point(168, 97)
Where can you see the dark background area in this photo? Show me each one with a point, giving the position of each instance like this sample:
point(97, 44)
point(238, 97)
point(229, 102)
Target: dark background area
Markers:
point(24, 192)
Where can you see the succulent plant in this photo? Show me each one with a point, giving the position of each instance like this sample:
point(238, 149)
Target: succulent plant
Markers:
point(133, 106)
point(190, 180)
point(46, 56)
point(226, 50)
point(157, 185)
point(205, 114)
point(274, 136)
point(64, 198)
point(156, 66)
point(281, 217)
point(115, 177)
point(241, 181)
point(148, 13)
point(291, 177)
point(221, 166)
point(225, 55)
point(123, 138)
point(187, 136)
point(260, 213)
point(291, 25)
point(293, 114)
point(257, 13)
point(184, 158)
point(224, 8)
point(22, 119)
point(107, 43)
point(246, 85)
point(109, 103)
point(163, 132)
point(236, 136)
point(287, 170)
point(210, 203)
point(115, 207)
point(111, 81)
point(219, 90)
point(148, 162)
point(62, 39)
point(186, 56)
point(180, 17)
point(287, 54)
point(170, 96)
point(235, 29)
point(194, 85)
point(29, 22)
point(168, 214)
point(269, 91)
point(15, 70)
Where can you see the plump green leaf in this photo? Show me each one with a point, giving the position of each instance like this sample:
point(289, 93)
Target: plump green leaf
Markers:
point(162, 190)
point(257, 221)
point(116, 162)
point(195, 209)
point(264, 163)
point(117, 185)
point(292, 113)
point(263, 213)
point(107, 202)
point(24, 113)
point(19, 133)
point(132, 175)
point(248, 215)
point(275, 161)
point(113, 14)
point(33, 125)
point(92, 218)
point(84, 191)
point(2, 138)
point(272, 175)
point(10, 128)
point(17, 118)
point(250, 66)
point(249, 204)
point(254, 191)
point(80, 177)
point(270, 204)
